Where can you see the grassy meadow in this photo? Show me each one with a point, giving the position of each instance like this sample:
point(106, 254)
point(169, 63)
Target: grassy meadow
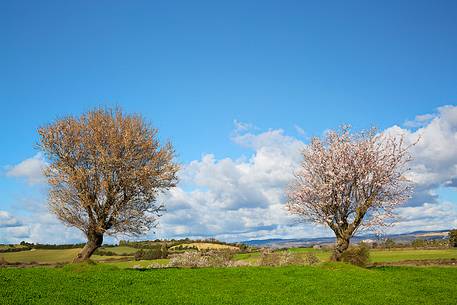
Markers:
point(42, 256)
point(66, 255)
point(122, 280)
point(328, 283)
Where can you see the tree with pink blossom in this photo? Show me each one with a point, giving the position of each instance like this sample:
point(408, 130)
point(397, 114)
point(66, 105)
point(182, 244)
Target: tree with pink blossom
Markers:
point(350, 181)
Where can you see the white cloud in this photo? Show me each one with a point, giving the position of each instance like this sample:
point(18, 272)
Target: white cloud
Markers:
point(435, 154)
point(429, 216)
point(231, 198)
point(36, 225)
point(7, 220)
point(419, 120)
point(17, 233)
point(31, 169)
point(243, 198)
point(11, 228)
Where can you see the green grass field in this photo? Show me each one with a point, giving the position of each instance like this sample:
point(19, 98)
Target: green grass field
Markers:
point(67, 255)
point(120, 250)
point(325, 284)
point(141, 264)
point(46, 256)
point(394, 255)
point(412, 254)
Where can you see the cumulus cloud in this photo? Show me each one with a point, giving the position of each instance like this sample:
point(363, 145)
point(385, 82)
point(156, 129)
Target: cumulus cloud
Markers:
point(31, 169)
point(429, 216)
point(419, 120)
point(36, 225)
point(17, 233)
point(7, 220)
point(435, 154)
point(11, 228)
point(243, 198)
point(238, 198)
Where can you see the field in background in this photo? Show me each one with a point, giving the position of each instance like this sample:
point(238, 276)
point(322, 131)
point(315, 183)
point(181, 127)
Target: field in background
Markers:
point(120, 250)
point(48, 256)
point(204, 246)
point(67, 255)
point(392, 255)
point(396, 255)
point(325, 284)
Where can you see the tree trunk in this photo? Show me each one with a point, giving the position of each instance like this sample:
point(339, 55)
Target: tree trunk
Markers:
point(94, 241)
point(342, 244)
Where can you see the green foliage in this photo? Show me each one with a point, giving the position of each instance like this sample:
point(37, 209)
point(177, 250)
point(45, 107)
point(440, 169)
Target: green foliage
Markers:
point(13, 248)
point(357, 255)
point(389, 243)
point(453, 238)
point(329, 284)
point(429, 243)
point(418, 243)
point(311, 258)
point(107, 253)
point(52, 246)
point(194, 259)
point(150, 254)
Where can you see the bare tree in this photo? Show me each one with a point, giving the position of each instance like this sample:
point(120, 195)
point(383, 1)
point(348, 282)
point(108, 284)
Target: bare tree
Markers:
point(106, 170)
point(349, 181)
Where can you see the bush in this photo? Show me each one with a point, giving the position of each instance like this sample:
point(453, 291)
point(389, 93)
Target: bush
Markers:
point(311, 259)
point(453, 238)
point(187, 259)
point(283, 258)
point(155, 265)
point(107, 253)
point(357, 255)
point(151, 254)
point(194, 259)
point(389, 243)
point(14, 249)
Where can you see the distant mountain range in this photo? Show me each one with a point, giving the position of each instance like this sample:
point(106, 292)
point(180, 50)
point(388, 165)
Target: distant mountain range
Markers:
point(307, 242)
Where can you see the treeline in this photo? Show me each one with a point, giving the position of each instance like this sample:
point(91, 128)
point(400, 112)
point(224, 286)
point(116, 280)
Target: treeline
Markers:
point(12, 248)
point(51, 246)
point(144, 244)
point(418, 243)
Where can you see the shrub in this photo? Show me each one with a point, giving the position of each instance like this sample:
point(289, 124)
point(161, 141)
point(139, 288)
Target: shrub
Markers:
point(389, 243)
point(151, 254)
point(453, 238)
point(419, 243)
point(194, 259)
point(269, 258)
point(106, 253)
point(14, 249)
point(311, 259)
point(357, 255)
point(155, 265)
point(283, 258)
point(190, 259)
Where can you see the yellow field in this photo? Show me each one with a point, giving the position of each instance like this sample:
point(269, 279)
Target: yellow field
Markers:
point(206, 246)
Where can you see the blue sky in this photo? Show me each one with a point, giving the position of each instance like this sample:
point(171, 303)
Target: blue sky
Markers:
point(193, 68)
